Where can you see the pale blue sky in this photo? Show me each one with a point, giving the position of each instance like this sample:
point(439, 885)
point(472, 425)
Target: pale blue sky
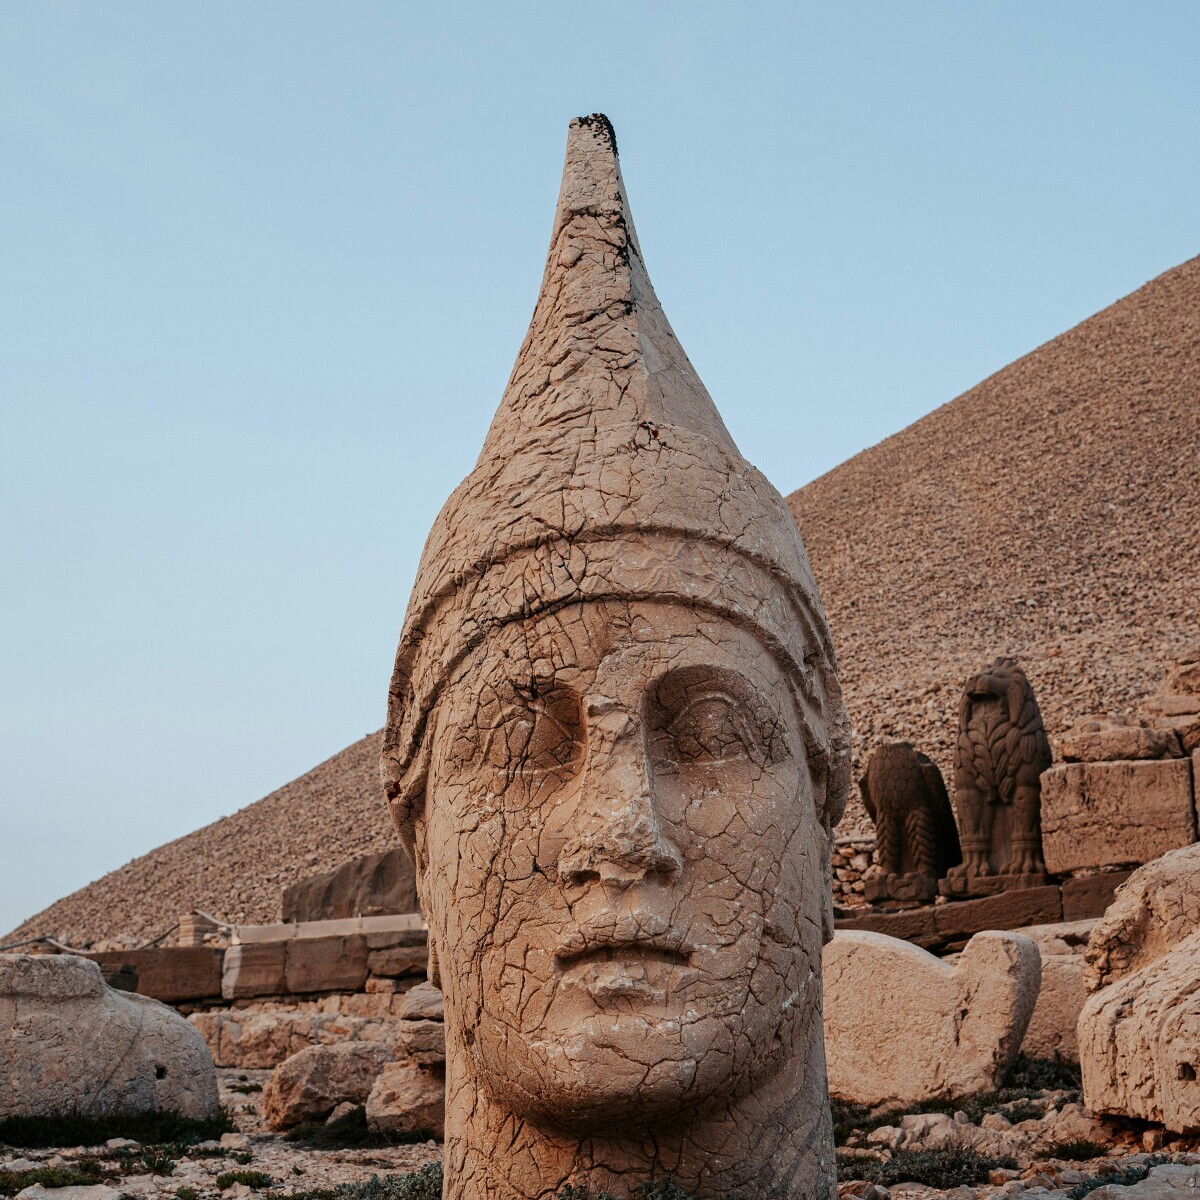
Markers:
point(266, 268)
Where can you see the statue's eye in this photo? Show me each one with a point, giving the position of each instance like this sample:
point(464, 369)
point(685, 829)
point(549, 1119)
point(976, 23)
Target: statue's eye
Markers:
point(706, 716)
point(713, 728)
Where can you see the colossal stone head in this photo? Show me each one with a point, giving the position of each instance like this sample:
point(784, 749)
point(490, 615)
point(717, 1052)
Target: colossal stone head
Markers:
point(616, 749)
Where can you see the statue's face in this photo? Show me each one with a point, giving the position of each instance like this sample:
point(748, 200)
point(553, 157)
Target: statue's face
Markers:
point(622, 864)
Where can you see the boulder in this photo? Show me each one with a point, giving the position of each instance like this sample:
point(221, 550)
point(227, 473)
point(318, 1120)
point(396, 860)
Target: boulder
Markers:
point(70, 1044)
point(420, 1042)
point(408, 1099)
point(1155, 909)
point(902, 1027)
point(1139, 1042)
point(423, 1003)
point(1104, 814)
point(371, 885)
point(1051, 1032)
point(1139, 1032)
point(311, 1084)
point(1170, 1181)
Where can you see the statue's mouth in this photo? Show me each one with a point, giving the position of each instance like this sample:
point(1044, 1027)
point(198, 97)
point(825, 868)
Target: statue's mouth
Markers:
point(630, 952)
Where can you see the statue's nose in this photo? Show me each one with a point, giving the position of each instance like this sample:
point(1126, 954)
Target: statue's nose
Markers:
point(619, 839)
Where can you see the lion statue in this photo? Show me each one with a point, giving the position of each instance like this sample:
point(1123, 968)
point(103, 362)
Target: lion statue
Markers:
point(903, 792)
point(1001, 753)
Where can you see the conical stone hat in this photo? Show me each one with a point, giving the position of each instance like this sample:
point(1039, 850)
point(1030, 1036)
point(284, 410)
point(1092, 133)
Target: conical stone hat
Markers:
point(608, 473)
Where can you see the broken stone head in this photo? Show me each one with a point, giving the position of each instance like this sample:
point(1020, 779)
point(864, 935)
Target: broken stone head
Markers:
point(616, 749)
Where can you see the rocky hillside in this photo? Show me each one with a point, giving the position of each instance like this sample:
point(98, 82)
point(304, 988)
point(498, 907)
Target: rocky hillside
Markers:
point(1052, 512)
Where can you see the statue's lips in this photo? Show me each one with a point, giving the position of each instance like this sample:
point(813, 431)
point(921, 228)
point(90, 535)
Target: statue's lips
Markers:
point(644, 970)
point(626, 952)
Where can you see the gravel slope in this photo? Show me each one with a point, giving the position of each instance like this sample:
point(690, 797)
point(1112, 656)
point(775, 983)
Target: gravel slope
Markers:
point(1052, 512)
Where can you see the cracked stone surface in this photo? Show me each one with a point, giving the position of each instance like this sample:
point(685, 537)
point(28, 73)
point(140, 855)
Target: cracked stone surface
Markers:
point(904, 1027)
point(69, 1043)
point(1139, 1031)
point(616, 749)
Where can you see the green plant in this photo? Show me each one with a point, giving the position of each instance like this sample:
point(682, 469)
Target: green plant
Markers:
point(245, 1089)
point(1042, 1075)
point(426, 1184)
point(12, 1182)
point(1077, 1150)
point(157, 1162)
point(242, 1156)
point(1122, 1175)
point(74, 1129)
point(948, 1167)
point(252, 1179)
point(350, 1132)
point(186, 1193)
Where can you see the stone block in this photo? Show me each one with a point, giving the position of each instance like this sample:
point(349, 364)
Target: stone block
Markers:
point(1115, 813)
point(1087, 897)
point(337, 964)
point(902, 1026)
point(70, 1044)
point(254, 969)
point(1008, 910)
point(169, 973)
point(912, 925)
point(1109, 739)
point(1139, 1042)
point(398, 960)
point(369, 885)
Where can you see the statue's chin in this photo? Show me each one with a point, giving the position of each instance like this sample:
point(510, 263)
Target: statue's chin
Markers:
point(622, 1071)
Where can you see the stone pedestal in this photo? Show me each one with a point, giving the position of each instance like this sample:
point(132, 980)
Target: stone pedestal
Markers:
point(990, 885)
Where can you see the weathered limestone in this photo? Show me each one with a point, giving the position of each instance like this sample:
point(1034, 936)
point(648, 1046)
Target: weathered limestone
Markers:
point(616, 749)
point(260, 1040)
point(1115, 739)
point(903, 1027)
point(297, 966)
point(312, 1083)
point(1139, 1042)
point(1052, 1028)
point(169, 973)
point(70, 1044)
point(410, 1099)
point(916, 840)
point(1139, 1033)
point(1156, 909)
point(364, 886)
point(1001, 752)
point(1101, 814)
point(1176, 704)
